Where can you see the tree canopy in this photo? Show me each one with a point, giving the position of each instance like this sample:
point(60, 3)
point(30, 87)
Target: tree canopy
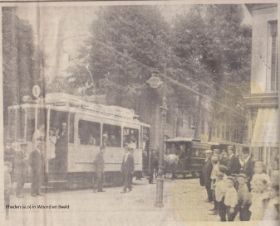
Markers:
point(207, 50)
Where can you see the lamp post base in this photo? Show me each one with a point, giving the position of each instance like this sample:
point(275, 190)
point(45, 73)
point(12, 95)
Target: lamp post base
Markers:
point(159, 193)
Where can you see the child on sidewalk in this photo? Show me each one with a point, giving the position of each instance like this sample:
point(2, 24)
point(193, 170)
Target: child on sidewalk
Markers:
point(259, 174)
point(260, 191)
point(272, 210)
point(231, 199)
point(220, 191)
point(244, 198)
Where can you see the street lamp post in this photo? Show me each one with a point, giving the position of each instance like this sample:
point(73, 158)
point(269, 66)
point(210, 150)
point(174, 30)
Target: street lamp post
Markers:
point(155, 82)
point(160, 180)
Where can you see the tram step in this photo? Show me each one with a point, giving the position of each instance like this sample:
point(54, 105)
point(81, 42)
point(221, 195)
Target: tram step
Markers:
point(54, 185)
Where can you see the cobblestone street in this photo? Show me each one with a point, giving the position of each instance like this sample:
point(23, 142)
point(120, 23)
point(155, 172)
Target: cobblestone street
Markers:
point(134, 208)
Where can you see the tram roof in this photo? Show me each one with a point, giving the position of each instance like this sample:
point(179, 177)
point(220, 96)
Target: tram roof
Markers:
point(67, 100)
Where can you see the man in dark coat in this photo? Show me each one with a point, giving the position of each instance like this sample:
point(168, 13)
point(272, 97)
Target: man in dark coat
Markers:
point(37, 164)
point(127, 169)
point(248, 165)
point(61, 149)
point(205, 177)
point(20, 169)
point(99, 170)
point(234, 165)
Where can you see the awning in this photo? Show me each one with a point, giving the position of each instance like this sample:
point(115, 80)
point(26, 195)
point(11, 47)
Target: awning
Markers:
point(266, 129)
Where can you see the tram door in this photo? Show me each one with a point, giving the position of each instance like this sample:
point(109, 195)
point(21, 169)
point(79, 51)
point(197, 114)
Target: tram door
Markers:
point(58, 142)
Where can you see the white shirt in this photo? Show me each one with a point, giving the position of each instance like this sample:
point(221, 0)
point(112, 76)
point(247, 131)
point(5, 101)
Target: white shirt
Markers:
point(259, 177)
point(220, 189)
point(125, 156)
point(215, 170)
point(231, 197)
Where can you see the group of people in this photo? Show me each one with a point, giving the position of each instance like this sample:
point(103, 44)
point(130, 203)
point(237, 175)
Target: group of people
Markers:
point(127, 167)
point(240, 187)
point(16, 171)
point(19, 161)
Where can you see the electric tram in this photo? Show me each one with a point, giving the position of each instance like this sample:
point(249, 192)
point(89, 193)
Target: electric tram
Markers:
point(74, 130)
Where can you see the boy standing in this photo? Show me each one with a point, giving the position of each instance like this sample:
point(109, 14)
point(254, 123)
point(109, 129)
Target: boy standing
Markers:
point(244, 198)
point(220, 191)
point(231, 199)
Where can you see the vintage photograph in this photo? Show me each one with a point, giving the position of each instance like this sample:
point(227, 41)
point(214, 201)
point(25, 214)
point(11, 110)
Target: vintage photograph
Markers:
point(148, 113)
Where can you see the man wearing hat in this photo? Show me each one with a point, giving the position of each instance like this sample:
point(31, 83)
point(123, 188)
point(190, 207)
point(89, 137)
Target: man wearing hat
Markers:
point(248, 165)
point(20, 164)
point(233, 162)
point(205, 177)
point(244, 198)
point(37, 164)
point(127, 169)
point(99, 170)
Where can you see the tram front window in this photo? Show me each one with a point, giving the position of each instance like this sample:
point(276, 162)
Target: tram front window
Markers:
point(130, 136)
point(89, 133)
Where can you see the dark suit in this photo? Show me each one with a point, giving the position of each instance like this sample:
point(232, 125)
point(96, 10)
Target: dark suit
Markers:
point(36, 164)
point(61, 152)
point(248, 170)
point(99, 171)
point(20, 171)
point(205, 178)
point(127, 170)
point(233, 165)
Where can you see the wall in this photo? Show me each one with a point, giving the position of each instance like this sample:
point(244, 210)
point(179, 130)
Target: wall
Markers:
point(260, 58)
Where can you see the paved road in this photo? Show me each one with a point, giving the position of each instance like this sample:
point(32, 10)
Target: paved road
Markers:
point(183, 202)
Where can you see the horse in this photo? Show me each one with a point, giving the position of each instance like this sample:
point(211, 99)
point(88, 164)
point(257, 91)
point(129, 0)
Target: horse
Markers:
point(170, 164)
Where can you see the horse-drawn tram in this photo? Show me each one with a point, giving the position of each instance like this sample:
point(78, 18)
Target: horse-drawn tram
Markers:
point(184, 156)
point(73, 131)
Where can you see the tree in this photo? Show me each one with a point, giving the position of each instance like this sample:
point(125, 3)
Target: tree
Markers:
point(213, 39)
point(126, 44)
point(21, 59)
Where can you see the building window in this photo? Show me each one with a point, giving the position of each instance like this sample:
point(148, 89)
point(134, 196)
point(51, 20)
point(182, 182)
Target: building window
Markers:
point(273, 57)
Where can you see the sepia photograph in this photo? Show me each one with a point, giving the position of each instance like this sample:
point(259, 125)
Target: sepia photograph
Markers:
point(155, 113)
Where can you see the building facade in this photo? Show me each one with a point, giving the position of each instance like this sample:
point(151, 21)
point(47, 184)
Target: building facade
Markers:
point(263, 102)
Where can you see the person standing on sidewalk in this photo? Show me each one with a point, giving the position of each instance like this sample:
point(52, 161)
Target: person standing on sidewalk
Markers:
point(231, 199)
point(215, 171)
point(37, 164)
point(244, 198)
point(248, 165)
point(99, 170)
point(220, 191)
point(205, 177)
point(127, 169)
point(20, 169)
point(234, 165)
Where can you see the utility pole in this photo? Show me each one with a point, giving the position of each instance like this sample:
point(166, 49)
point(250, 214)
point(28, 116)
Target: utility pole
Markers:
point(160, 180)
